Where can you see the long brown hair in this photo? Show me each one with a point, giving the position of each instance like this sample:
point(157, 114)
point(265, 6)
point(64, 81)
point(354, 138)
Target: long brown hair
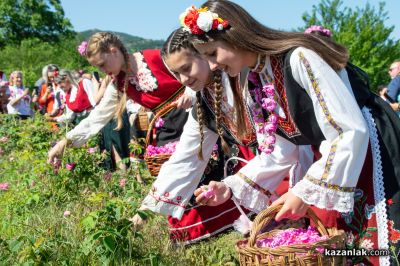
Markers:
point(179, 41)
point(101, 42)
point(248, 34)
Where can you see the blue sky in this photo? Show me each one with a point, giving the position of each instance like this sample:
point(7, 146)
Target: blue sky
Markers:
point(155, 19)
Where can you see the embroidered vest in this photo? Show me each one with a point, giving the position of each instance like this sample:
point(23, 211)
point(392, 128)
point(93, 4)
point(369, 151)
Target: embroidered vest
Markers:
point(228, 124)
point(81, 102)
point(153, 86)
point(300, 106)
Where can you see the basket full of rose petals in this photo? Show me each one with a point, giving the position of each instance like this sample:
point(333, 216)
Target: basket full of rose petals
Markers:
point(292, 246)
point(156, 156)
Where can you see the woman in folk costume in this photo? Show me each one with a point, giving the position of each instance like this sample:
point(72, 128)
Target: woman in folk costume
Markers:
point(79, 96)
point(213, 118)
point(303, 91)
point(141, 77)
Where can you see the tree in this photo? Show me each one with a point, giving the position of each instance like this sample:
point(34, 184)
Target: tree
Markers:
point(363, 32)
point(25, 19)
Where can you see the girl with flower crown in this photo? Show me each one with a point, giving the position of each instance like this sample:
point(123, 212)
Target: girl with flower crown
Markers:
point(213, 118)
point(302, 91)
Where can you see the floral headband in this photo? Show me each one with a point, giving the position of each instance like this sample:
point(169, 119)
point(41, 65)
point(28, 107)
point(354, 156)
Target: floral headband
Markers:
point(82, 48)
point(321, 29)
point(200, 20)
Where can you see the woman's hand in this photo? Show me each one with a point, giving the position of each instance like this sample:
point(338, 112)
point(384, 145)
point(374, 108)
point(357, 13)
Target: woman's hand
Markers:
point(293, 207)
point(56, 151)
point(221, 194)
point(184, 102)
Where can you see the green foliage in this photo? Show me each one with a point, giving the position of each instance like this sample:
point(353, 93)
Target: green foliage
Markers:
point(25, 19)
point(98, 231)
point(363, 32)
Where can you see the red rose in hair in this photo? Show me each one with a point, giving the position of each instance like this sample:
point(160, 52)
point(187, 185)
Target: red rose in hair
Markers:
point(225, 24)
point(215, 24)
point(390, 201)
point(191, 18)
point(196, 30)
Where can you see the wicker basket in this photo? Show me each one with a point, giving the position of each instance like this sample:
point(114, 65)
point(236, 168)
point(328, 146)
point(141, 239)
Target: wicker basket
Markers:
point(142, 120)
point(250, 254)
point(154, 162)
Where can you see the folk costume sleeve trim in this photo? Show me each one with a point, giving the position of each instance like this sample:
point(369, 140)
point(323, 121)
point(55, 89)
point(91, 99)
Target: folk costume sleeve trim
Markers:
point(181, 174)
point(97, 118)
point(255, 184)
point(330, 181)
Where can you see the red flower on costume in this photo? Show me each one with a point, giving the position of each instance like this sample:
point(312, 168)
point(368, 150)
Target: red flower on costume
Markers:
point(394, 234)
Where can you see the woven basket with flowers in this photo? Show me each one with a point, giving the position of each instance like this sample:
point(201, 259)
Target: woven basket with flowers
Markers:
point(155, 161)
point(266, 249)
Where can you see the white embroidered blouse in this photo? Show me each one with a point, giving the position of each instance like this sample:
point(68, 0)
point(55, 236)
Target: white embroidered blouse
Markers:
point(327, 183)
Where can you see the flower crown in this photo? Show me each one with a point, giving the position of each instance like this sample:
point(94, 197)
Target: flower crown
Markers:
point(321, 29)
point(200, 20)
point(82, 48)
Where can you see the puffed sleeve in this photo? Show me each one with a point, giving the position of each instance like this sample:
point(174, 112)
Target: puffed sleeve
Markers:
point(97, 118)
point(255, 184)
point(330, 182)
point(181, 174)
point(89, 89)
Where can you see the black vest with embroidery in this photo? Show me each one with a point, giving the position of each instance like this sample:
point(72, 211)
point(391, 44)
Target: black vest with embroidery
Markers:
point(306, 130)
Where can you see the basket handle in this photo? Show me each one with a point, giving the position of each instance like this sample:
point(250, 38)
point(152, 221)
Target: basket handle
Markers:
point(162, 112)
point(267, 215)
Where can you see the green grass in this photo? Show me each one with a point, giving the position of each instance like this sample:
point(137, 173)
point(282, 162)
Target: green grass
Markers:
point(34, 231)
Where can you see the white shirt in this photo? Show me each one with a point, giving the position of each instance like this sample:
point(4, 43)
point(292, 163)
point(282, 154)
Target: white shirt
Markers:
point(180, 176)
point(23, 106)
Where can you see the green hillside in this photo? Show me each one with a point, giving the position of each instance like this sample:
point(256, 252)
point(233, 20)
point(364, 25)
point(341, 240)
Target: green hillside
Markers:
point(133, 43)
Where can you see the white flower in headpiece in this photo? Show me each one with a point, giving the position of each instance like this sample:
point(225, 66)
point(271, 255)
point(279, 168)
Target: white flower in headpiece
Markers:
point(205, 21)
point(182, 17)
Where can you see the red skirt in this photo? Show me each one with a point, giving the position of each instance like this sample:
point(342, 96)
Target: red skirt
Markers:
point(200, 222)
point(369, 226)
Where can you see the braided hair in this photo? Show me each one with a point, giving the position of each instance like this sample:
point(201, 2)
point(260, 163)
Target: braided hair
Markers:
point(101, 42)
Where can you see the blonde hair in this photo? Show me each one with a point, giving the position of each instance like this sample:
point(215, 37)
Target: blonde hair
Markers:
point(248, 34)
point(13, 75)
point(64, 75)
point(101, 42)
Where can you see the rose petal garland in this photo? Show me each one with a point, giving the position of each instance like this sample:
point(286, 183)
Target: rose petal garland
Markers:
point(269, 126)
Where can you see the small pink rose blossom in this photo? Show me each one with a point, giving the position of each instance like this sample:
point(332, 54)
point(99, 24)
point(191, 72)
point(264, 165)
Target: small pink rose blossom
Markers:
point(159, 123)
point(269, 104)
point(67, 213)
point(269, 89)
point(91, 150)
point(122, 182)
point(4, 186)
point(270, 139)
point(3, 139)
point(70, 166)
point(82, 48)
